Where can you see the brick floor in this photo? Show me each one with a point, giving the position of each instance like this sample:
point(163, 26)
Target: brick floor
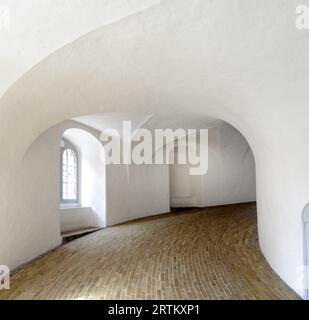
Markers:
point(208, 253)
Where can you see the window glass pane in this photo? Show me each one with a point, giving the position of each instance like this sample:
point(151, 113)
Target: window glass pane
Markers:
point(69, 175)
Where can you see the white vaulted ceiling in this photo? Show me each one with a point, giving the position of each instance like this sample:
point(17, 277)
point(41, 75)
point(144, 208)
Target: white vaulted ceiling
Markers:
point(40, 27)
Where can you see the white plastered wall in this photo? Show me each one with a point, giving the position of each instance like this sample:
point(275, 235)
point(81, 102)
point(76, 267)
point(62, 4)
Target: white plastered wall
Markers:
point(136, 191)
point(230, 177)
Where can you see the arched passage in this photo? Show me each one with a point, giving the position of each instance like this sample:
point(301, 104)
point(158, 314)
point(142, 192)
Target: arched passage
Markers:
point(230, 176)
point(140, 64)
point(132, 191)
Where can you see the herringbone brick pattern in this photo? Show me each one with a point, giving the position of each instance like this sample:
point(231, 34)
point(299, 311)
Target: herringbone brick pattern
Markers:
point(208, 253)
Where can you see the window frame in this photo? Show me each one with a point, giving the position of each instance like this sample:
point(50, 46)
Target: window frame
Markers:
point(66, 145)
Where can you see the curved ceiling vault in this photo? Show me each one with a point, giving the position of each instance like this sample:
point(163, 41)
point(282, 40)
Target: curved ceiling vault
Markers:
point(39, 28)
point(178, 55)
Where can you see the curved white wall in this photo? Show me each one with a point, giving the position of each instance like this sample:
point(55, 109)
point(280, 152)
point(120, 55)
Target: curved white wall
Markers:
point(33, 221)
point(306, 248)
point(35, 198)
point(240, 61)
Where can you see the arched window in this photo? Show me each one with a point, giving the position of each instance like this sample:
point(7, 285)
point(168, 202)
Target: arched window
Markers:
point(69, 174)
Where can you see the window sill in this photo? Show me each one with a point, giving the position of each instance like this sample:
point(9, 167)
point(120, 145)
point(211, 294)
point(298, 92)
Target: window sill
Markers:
point(71, 206)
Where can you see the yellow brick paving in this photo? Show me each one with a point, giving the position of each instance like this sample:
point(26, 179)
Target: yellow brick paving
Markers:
point(210, 253)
